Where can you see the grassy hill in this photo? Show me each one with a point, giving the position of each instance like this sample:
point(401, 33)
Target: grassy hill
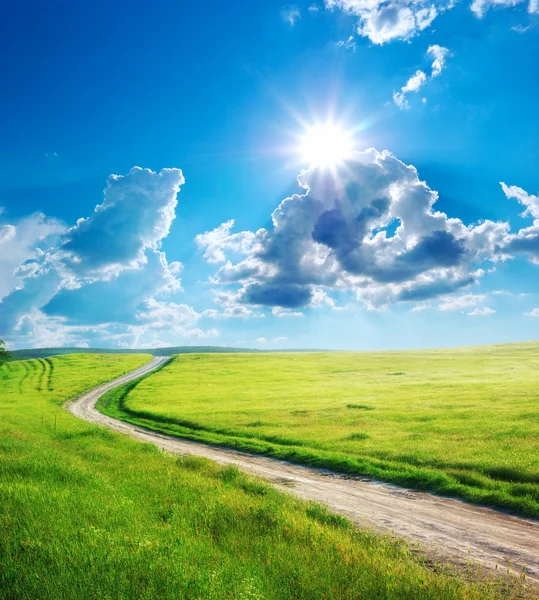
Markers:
point(88, 513)
point(460, 422)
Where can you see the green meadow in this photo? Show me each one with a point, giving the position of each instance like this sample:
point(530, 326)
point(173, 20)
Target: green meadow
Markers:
point(460, 422)
point(88, 513)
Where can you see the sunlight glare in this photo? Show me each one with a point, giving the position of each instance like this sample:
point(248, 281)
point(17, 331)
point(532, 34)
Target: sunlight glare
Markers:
point(325, 145)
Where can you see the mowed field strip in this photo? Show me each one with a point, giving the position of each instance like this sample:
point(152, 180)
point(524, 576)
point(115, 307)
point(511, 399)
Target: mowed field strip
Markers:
point(445, 528)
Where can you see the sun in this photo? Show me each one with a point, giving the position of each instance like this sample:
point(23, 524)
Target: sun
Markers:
point(325, 145)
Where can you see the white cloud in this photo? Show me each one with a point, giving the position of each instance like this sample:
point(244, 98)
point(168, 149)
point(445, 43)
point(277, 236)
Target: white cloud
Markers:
point(279, 312)
point(439, 54)
point(417, 81)
point(290, 14)
point(237, 312)
point(533, 313)
point(262, 340)
point(383, 21)
point(216, 241)
point(105, 279)
point(526, 241)
point(420, 308)
point(521, 28)
point(335, 237)
point(22, 244)
point(135, 215)
point(280, 339)
point(461, 302)
point(480, 7)
point(231, 312)
point(481, 312)
point(349, 44)
point(530, 202)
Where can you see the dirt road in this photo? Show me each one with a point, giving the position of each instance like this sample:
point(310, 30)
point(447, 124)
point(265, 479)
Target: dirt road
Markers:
point(446, 529)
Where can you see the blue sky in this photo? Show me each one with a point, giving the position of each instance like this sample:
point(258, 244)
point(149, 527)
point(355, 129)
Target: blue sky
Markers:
point(415, 244)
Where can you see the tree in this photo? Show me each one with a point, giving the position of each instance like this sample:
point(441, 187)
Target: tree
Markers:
point(4, 354)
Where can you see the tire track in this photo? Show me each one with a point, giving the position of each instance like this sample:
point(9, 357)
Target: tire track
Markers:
point(50, 374)
point(42, 373)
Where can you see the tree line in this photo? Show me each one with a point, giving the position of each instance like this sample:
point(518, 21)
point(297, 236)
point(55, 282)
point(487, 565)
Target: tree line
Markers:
point(4, 354)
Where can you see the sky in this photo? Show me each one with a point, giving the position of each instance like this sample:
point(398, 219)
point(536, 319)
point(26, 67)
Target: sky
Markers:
point(338, 174)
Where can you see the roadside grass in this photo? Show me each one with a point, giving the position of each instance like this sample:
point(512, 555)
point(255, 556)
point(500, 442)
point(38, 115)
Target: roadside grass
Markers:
point(88, 513)
point(461, 422)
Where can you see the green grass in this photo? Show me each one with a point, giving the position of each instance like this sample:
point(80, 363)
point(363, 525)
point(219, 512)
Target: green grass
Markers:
point(88, 513)
point(462, 422)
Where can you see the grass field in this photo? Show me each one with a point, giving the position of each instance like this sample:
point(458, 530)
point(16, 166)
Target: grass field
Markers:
point(461, 422)
point(87, 513)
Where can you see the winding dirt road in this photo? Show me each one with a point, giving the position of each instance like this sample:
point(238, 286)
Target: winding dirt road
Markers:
point(446, 529)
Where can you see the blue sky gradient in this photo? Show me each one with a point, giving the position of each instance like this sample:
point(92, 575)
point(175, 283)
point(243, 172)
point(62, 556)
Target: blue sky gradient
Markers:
point(220, 94)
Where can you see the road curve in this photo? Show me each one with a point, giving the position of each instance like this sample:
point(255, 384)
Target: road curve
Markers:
point(446, 529)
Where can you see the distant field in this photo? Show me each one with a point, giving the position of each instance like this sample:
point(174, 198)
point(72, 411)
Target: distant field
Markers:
point(460, 422)
point(86, 513)
point(46, 352)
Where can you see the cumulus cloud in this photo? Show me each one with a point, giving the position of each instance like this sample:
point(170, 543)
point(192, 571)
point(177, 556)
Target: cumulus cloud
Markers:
point(531, 203)
point(231, 312)
point(382, 21)
point(533, 313)
point(104, 279)
point(22, 243)
point(219, 239)
point(135, 215)
point(526, 241)
point(417, 81)
point(370, 228)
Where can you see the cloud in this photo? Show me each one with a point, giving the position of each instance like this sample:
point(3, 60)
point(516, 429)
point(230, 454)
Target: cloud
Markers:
point(383, 21)
point(230, 312)
point(439, 53)
point(526, 241)
point(531, 203)
point(21, 246)
point(461, 302)
point(480, 7)
point(220, 238)
point(135, 215)
point(370, 228)
point(417, 81)
point(533, 313)
point(481, 312)
point(290, 14)
point(349, 44)
point(104, 280)
point(279, 312)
